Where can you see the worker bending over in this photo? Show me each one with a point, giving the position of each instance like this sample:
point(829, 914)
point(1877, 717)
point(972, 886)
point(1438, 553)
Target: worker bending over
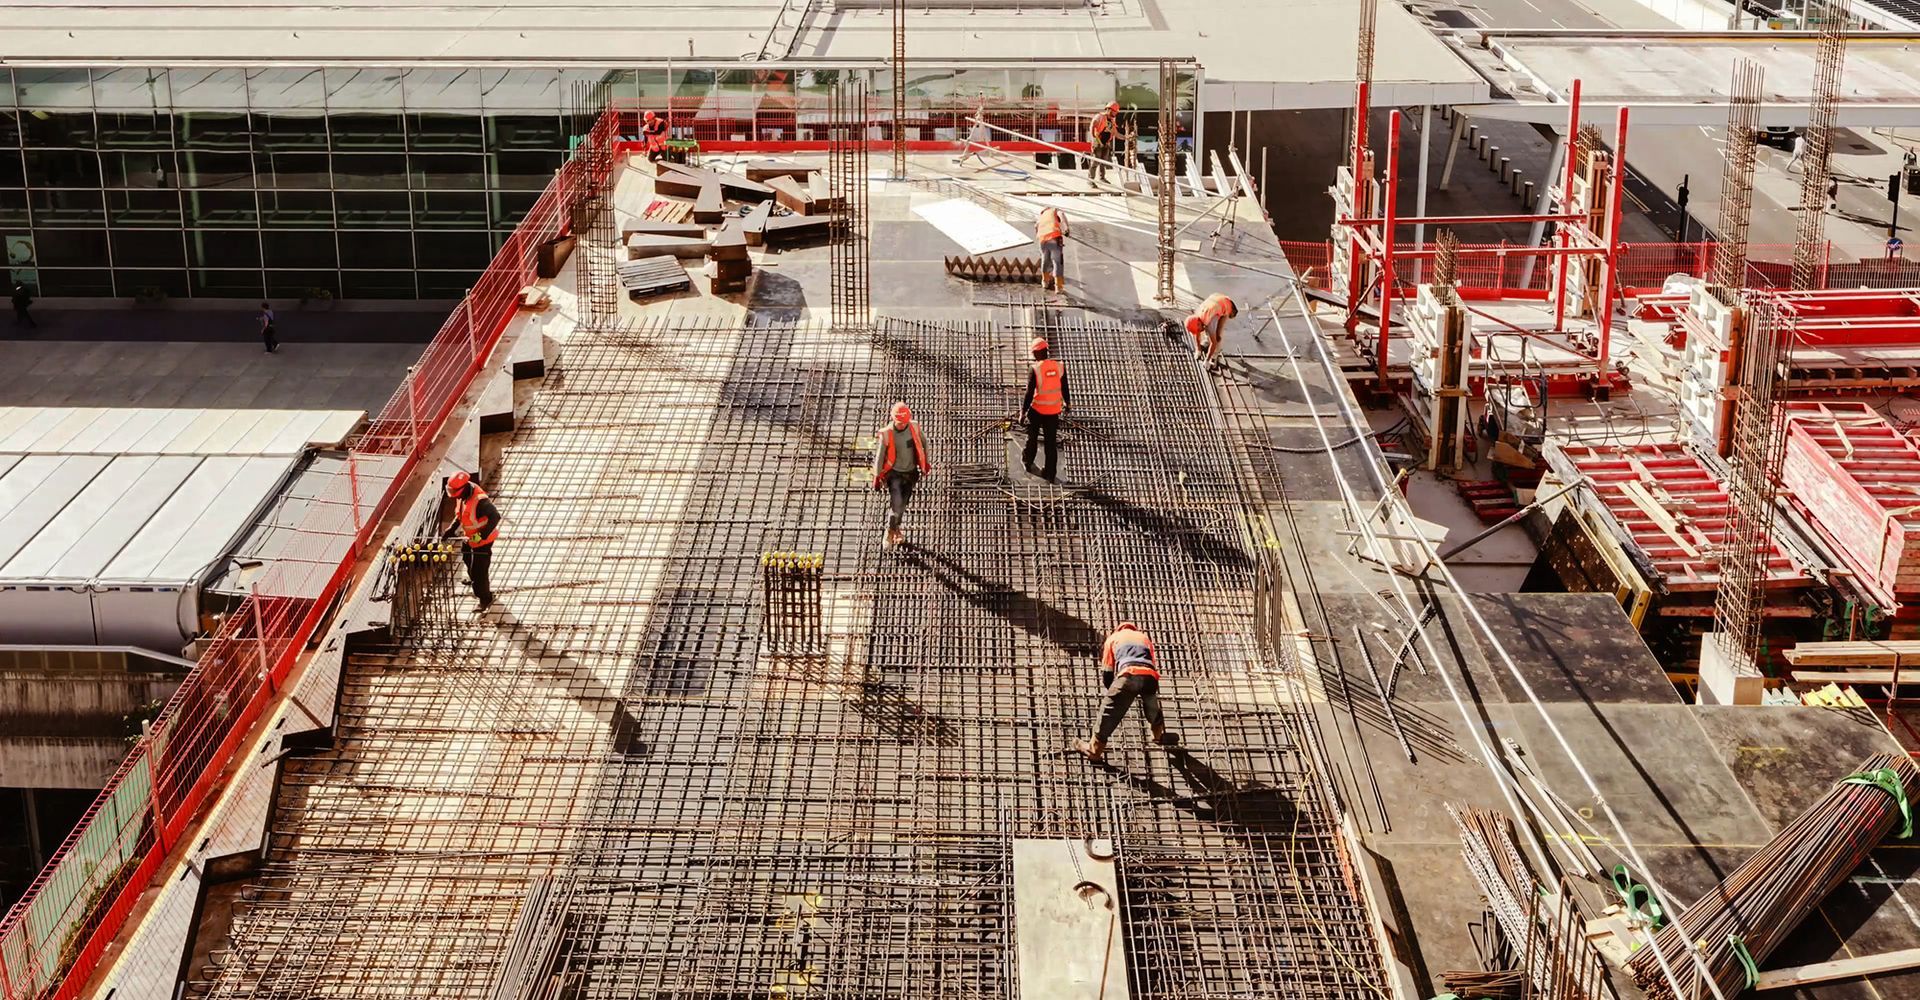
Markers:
point(899, 460)
point(654, 130)
point(1050, 230)
point(1102, 131)
point(1132, 672)
point(1208, 325)
point(479, 524)
point(1045, 401)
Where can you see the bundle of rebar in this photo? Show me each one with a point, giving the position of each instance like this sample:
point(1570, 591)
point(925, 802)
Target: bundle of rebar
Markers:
point(1737, 925)
point(791, 583)
point(1499, 984)
point(527, 971)
point(422, 589)
point(1546, 930)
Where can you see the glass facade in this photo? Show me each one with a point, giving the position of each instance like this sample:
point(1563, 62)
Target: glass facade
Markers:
point(364, 182)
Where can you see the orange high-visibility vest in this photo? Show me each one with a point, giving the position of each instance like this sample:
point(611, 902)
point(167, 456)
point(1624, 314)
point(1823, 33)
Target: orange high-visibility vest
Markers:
point(1047, 397)
point(919, 447)
point(470, 522)
point(1048, 227)
point(1216, 307)
point(1102, 125)
point(1129, 651)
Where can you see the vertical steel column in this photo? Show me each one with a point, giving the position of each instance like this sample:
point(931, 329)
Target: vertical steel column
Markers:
point(1564, 230)
point(1420, 196)
point(1615, 188)
point(1387, 283)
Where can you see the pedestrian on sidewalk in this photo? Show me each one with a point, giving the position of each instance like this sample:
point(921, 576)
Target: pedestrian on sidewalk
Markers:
point(1833, 195)
point(22, 298)
point(1131, 672)
point(899, 460)
point(478, 521)
point(267, 332)
point(1043, 405)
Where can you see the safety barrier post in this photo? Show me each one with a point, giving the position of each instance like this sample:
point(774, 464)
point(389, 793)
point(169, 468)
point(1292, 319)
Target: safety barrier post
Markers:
point(260, 637)
point(413, 411)
point(353, 494)
point(473, 332)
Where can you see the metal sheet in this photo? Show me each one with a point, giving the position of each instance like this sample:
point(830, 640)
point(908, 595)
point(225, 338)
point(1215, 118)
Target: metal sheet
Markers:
point(90, 530)
point(93, 437)
point(206, 515)
point(69, 427)
point(231, 432)
point(194, 435)
point(1067, 925)
point(35, 492)
point(171, 425)
point(139, 424)
point(11, 417)
point(258, 439)
point(977, 230)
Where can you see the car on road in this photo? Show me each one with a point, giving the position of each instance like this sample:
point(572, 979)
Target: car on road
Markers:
point(1777, 136)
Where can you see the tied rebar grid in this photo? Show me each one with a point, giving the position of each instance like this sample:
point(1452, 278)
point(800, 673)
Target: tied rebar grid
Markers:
point(1736, 182)
point(848, 115)
point(1759, 445)
point(737, 818)
point(1833, 17)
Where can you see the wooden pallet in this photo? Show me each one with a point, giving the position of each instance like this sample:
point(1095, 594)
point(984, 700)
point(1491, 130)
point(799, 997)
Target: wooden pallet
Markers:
point(651, 276)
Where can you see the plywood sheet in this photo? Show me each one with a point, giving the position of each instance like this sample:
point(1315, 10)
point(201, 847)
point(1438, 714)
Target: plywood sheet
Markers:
point(1067, 921)
point(977, 230)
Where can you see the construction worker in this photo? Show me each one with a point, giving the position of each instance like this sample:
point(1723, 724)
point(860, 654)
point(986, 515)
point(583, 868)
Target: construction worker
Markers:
point(479, 524)
point(1102, 131)
point(899, 460)
point(1208, 323)
point(654, 130)
point(1050, 230)
point(1045, 401)
point(1131, 671)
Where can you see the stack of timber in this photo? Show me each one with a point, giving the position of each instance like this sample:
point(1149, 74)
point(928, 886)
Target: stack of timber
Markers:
point(1856, 478)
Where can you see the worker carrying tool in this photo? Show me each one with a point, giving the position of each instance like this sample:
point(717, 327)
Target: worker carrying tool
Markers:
point(1102, 130)
point(1131, 671)
point(1208, 325)
point(899, 460)
point(653, 129)
point(1050, 230)
point(1045, 401)
point(478, 522)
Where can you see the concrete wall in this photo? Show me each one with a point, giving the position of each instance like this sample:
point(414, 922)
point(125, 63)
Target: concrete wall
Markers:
point(78, 703)
point(59, 762)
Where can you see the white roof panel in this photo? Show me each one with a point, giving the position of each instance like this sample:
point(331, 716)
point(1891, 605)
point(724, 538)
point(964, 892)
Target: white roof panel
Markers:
point(171, 425)
point(93, 437)
point(139, 424)
point(11, 417)
point(232, 431)
point(86, 533)
point(36, 490)
point(258, 439)
point(195, 525)
point(68, 428)
point(34, 428)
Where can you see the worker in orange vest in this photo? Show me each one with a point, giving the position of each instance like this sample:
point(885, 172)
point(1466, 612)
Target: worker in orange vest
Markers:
point(1131, 671)
point(1207, 324)
point(1101, 131)
point(1050, 230)
point(479, 524)
point(654, 131)
point(899, 460)
point(1045, 401)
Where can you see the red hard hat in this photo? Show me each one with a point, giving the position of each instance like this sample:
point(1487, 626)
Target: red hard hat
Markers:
point(1113, 105)
point(651, 116)
point(1039, 344)
point(457, 483)
point(902, 411)
point(1128, 626)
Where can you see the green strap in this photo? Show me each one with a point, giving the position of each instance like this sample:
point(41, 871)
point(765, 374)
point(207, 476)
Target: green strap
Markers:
point(1751, 967)
point(1888, 781)
point(1637, 898)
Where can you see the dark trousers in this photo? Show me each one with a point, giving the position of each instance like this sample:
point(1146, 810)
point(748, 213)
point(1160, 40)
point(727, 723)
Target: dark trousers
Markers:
point(20, 315)
point(1043, 426)
point(479, 561)
point(267, 336)
point(899, 491)
point(1102, 150)
point(1120, 697)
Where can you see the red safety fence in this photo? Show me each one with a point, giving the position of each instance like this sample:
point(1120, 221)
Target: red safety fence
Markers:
point(1642, 265)
point(52, 939)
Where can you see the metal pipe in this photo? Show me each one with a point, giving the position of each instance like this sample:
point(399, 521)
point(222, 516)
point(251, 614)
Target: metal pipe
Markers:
point(1488, 532)
point(1420, 197)
point(1387, 283)
point(1618, 187)
point(1566, 201)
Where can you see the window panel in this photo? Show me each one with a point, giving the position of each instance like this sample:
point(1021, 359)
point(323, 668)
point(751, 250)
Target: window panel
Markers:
point(507, 208)
point(13, 208)
point(13, 170)
point(148, 248)
point(224, 209)
point(58, 129)
point(373, 209)
point(9, 121)
point(148, 171)
point(75, 207)
point(302, 284)
point(377, 284)
point(224, 248)
point(388, 250)
point(456, 89)
point(449, 210)
point(370, 88)
point(445, 132)
point(299, 248)
point(148, 282)
point(227, 284)
point(131, 88)
point(216, 170)
point(445, 284)
point(62, 168)
point(213, 130)
point(209, 89)
point(53, 88)
point(57, 281)
point(293, 170)
point(510, 133)
point(522, 171)
point(135, 130)
point(286, 88)
point(296, 209)
point(144, 208)
point(70, 247)
point(290, 131)
point(452, 250)
point(362, 131)
point(456, 171)
point(534, 89)
point(369, 171)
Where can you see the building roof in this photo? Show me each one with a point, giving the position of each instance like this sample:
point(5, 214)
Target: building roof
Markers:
point(1254, 54)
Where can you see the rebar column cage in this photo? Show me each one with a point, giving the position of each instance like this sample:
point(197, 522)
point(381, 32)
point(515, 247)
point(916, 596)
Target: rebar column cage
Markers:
point(1759, 441)
point(594, 280)
point(1830, 54)
point(899, 90)
point(1166, 183)
point(849, 112)
point(1736, 182)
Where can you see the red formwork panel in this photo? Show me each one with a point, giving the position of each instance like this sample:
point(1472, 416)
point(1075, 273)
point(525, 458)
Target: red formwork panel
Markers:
point(1638, 483)
point(1857, 479)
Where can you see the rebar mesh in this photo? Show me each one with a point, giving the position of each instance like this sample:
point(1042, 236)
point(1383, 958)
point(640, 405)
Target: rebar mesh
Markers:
point(1736, 182)
point(1832, 18)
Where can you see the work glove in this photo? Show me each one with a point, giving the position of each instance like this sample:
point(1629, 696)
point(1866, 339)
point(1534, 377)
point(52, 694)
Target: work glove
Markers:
point(473, 539)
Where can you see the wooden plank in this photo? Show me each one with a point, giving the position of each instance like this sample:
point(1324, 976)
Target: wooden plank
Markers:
point(790, 195)
point(1855, 653)
point(1658, 515)
point(1907, 675)
point(1845, 968)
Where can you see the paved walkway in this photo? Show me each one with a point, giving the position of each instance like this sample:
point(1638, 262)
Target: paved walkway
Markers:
point(240, 375)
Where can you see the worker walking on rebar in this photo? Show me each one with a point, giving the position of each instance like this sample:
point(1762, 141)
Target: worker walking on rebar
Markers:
point(1101, 131)
point(899, 460)
point(653, 129)
point(1045, 401)
point(478, 522)
point(1208, 325)
point(1131, 671)
point(1051, 230)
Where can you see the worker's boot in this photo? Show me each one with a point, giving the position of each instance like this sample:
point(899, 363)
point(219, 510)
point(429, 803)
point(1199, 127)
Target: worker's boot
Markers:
point(1095, 749)
point(1164, 738)
point(895, 537)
